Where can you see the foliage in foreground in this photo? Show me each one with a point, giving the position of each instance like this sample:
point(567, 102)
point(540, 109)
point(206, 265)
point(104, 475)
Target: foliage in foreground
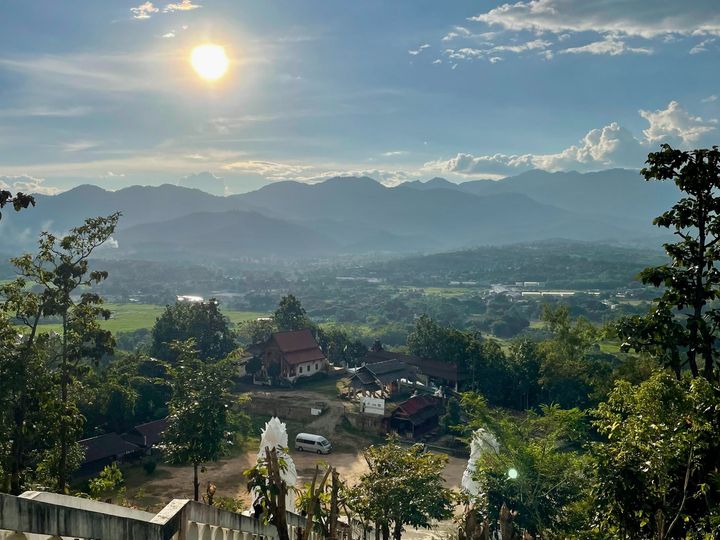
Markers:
point(658, 469)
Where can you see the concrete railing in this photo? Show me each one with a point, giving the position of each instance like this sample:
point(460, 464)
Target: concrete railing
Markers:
point(48, 516)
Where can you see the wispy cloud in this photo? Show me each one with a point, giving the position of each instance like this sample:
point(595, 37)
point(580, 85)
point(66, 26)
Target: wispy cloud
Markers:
point(628, 17)
point(26, 184)
point(46, 112)
point(610, 46)
point(702, 46)
point(144, 11)
point(184, 5)
point(710, 99)
point(420, 49)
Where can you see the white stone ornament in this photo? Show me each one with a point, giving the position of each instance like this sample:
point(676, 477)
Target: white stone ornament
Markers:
point(482, 442)
point(275, 436)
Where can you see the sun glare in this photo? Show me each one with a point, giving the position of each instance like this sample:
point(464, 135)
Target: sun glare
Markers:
point(209, 61)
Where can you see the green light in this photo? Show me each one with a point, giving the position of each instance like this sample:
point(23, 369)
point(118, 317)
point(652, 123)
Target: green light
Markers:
point(512, 474)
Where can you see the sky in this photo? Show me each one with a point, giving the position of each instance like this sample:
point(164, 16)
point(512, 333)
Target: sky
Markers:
point(103, 92)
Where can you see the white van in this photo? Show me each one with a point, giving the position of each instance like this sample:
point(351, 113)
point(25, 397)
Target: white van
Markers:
point(307, 442)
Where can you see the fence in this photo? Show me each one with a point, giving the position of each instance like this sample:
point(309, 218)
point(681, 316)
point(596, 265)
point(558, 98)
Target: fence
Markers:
point(48, 516)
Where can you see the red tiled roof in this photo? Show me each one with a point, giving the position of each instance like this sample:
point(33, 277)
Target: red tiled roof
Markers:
point(298, 347)
point(297, 340)
point(416, 405)
point(308, 355)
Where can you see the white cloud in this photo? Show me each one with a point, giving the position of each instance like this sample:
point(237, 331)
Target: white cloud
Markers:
point(144, 11)
point(48, 112)
point(79, 146)
point(495, 59)
point(420, 49)
point(675, 125)
point(437, 61)
point(702, 46)
point(627, 17)
point(394, 153)
point(26, 184)
point(609, 146)
point(111, 174)
point(527, 46)
point(269, 169)
point(610, 46)
point(458, 31)
point(184, 5)
point(709, 99)
point(466, 53)
point(169, 35)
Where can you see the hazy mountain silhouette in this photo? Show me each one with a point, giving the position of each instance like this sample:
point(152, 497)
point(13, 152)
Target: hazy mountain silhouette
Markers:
point(360, 215)
point(230, 234)
point(616, 193)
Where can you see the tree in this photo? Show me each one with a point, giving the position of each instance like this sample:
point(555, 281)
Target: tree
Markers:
point(203, 421)
point(404, 486)
point(200, 321)
point(681, 327)
point(539, 472)
point(290, 315)
point(18, 200)
point(657, 467)
point(47, 288)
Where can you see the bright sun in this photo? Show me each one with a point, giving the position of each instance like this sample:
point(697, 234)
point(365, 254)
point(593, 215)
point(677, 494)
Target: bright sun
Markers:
point(209, 61)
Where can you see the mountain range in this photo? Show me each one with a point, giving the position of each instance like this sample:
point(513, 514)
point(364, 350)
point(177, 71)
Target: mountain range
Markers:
point(358, 215)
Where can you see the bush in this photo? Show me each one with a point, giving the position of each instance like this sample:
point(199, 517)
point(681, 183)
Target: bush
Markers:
point(149, 465)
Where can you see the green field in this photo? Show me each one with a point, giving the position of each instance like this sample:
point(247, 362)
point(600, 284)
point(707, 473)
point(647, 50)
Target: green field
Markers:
point(129, 317)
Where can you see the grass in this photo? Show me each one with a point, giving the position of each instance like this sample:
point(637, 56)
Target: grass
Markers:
point(131, 317)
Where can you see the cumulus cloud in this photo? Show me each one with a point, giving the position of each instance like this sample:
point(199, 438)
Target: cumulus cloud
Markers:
point(610, 46)
point(628, 17)
point(420, 49)
point(144, 11)
point(26, 184)
point(674, 124)
point(184, 5)
point(609, 146)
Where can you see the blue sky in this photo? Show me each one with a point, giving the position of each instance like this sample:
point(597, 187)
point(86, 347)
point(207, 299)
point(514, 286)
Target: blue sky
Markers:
point(102, 91)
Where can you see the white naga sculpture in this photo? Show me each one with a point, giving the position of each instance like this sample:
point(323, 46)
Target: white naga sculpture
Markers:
point(482, 442)
point(275, 436)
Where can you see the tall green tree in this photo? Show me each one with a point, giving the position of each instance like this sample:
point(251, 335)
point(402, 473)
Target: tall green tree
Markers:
point(657, 469)
point(682, 326)
point(539, 471)
point(204, 420)
point(403, 486)
point(290, 315)
point(202, 322)
point(56, 283)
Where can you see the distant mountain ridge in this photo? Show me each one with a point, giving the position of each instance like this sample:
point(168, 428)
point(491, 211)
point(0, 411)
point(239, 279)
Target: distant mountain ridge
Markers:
point(357, 215)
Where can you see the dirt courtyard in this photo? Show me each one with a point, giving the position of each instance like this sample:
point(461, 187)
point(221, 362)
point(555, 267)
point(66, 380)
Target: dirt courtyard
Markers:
point(172, 482)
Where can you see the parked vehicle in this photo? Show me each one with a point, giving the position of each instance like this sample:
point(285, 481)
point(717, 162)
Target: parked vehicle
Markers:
point(307, 442)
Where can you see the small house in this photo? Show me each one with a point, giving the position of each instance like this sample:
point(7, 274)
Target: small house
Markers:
point(146, 435)
point(290, 355)
point(417, 416)
point(439, 373)
point(382, 377)
point(104, 450)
